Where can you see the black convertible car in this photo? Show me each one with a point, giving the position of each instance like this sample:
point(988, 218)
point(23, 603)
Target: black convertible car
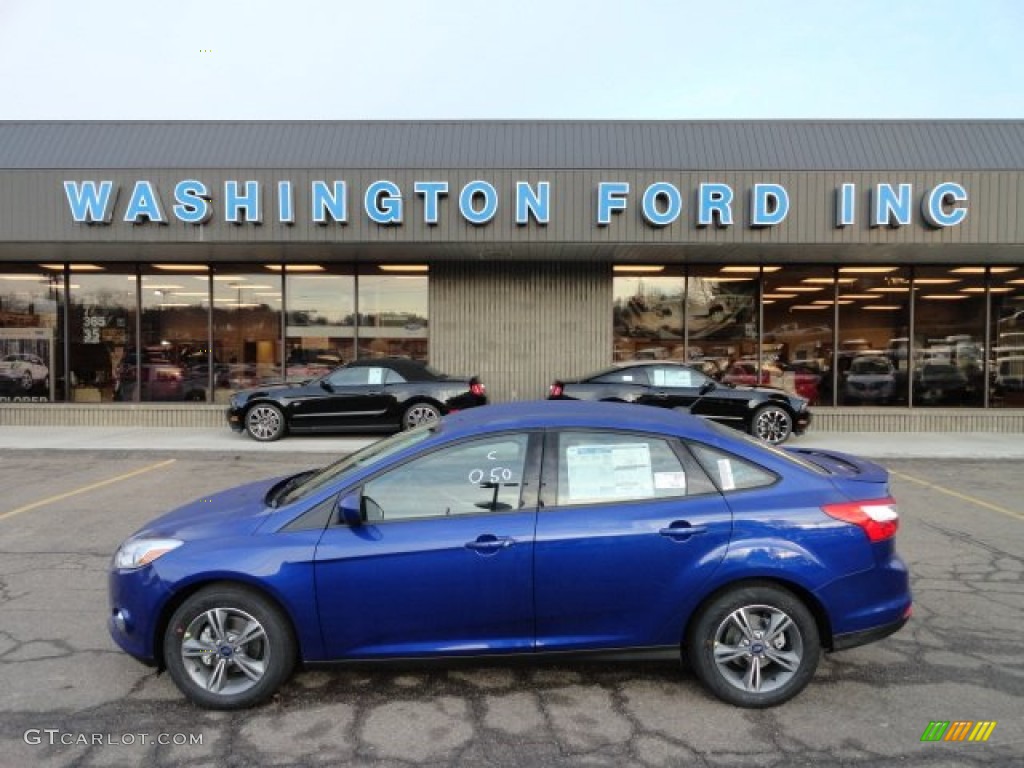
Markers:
point(377, 395)
point(768, 413)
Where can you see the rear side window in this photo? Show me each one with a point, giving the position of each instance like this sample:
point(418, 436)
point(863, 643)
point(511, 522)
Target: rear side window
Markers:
point(730, 472)
point(624, 376)
point(600, 467)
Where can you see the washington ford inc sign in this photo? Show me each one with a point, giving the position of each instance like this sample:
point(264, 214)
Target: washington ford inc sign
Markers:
point(383, 202)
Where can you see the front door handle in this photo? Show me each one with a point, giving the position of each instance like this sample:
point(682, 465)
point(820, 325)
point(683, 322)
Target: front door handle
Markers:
point(488, 543)
point(681, 530)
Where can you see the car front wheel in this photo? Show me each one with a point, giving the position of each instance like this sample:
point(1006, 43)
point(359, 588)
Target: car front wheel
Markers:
point(265, 422)
point(772, 424)
point(754, 646)
point(228, 648)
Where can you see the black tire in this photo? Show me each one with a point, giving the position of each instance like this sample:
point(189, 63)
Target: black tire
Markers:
point(771, 423)
point(760, 670)
point(265, 422)
point(211, 666)
point(421, 413)
point(27, 382)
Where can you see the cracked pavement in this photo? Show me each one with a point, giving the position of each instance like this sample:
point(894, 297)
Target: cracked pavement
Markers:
point(64, 681)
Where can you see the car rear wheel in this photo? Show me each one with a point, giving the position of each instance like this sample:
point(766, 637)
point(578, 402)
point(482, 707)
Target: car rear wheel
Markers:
point(228, 648)
point(27, 381)
point(265, 422)
point(755, 646)
point(772, 424)
point(420, 413)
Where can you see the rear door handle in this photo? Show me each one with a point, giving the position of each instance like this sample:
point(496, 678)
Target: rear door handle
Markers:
point(681, 530)
point(488, 543)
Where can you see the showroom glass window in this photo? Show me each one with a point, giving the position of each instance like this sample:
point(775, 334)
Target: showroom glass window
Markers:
point(722, 317)
point(872, 360)
point(31, 325)
point(647, 312)
point(102, 314)
point(175, 359)
point(393, 306)
point(320, 321)
point(949, 336)
point(797, 346)
point(1006, 378)
point(247, 310)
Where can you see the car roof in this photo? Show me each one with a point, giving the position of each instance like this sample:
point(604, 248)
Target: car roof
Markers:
point(538, 414)
point(406, 366)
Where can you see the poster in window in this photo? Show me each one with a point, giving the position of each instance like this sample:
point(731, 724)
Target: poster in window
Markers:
point(26, 362)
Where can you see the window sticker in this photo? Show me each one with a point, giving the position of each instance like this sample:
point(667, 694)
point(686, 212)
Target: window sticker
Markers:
point(627, 377)
point(725, 475)
point(376, 376)
point(670, 481)
point(605, 472)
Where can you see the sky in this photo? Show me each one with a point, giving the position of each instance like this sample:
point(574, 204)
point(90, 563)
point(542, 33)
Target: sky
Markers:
point(529, 59)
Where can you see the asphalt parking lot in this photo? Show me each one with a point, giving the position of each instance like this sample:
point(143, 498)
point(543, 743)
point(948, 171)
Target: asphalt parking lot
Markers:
point(70, 698)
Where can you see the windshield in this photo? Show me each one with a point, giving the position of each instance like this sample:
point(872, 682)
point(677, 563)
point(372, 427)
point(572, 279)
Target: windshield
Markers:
point(368, 456)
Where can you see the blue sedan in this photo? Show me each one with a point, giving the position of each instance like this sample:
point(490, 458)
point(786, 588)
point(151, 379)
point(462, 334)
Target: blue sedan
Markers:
point(533, 529)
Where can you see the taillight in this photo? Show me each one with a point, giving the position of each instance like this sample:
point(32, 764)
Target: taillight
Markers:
point(477, 388)
point(556, 389)
point(878, 518)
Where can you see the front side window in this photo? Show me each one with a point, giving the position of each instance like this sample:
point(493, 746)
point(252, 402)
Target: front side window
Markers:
point(470, 478)
point(602, 467)
point(356, 377)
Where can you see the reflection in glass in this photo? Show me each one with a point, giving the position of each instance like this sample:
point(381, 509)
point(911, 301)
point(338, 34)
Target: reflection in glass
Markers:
point(1006, 376)
point(797, 348)
point(721, 322)
point(872, 359)
point(949, 331)
point(321, 321)
point(647, 314)
point(246, 327)
point(102, 316)
point(31, 343)
point(392, 320)
point(175, 363)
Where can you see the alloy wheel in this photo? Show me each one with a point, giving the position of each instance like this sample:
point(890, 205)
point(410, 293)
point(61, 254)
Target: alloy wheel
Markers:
point(225, 651)
point(758, 649)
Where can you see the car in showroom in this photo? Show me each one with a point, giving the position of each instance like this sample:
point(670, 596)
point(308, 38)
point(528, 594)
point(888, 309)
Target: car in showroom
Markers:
point(535, 529)
point(768, 413)
point(870, 379)
point(368, 395)
point(23, 371)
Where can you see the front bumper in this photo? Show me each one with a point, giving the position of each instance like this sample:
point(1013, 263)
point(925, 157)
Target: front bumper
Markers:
point(136, 599)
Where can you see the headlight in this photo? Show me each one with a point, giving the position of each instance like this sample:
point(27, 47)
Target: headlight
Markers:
point(136, 553)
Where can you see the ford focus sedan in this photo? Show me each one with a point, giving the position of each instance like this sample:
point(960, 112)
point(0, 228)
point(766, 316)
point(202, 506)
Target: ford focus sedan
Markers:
point(531, 529)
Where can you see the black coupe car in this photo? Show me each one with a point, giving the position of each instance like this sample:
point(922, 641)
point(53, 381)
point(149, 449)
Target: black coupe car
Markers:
point(374, 395)
point(767, 413)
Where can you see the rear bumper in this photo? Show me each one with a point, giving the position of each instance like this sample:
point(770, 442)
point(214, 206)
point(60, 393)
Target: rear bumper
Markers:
point(865, 636)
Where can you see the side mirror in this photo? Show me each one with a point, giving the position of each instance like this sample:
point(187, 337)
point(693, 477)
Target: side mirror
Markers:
point(350, 510)
point(325, 384)
point(707, 387)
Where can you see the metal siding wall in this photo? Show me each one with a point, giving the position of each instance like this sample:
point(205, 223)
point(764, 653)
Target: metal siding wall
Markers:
point(520, 325)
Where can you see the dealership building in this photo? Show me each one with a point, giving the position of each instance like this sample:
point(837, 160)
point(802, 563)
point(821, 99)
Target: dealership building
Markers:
point(149, 269)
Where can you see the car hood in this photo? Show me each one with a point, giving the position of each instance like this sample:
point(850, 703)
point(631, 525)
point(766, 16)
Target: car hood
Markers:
point(237, 511)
